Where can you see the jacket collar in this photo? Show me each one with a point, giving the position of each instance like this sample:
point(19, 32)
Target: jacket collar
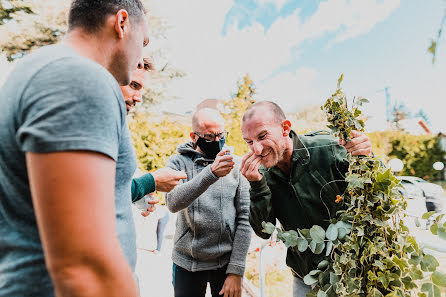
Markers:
point(300, 151)
point(300, 155)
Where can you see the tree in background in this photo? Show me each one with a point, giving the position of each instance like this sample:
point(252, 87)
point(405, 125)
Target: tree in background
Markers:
point(8, 8)
point(28, 25)
point(31, 26)
point(310, 118)
point(432, 49)
point(418, 154)
point(233, 111)
point(155, 139)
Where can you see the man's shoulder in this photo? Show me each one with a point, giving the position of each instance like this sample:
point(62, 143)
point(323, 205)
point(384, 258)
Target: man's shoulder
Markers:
point(59, 62)
point(318, 139)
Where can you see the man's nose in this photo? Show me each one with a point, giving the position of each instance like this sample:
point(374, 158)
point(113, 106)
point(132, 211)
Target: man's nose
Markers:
point(257, 148)
point(137, 98)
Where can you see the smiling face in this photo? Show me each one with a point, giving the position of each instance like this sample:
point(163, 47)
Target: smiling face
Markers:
point(267, 137)
point(132, 93)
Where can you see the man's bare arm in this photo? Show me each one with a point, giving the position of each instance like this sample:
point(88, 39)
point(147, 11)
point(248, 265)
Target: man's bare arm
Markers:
point(73, 198)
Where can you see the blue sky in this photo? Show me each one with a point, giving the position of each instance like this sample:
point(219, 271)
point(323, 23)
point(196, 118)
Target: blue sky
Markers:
point(295, 50)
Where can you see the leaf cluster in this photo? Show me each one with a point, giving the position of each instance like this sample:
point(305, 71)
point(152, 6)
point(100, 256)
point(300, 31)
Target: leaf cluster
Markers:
point(342, 120)
point(366, 250)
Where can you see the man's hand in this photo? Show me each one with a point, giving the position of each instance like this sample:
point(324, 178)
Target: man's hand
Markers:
point(250, 167)
point(150, 207)
point(223, 164)
point(359, 145)
point(232, 286)
point(166, 179)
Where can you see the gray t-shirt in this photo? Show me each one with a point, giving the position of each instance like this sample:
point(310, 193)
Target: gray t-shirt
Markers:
point(55, 100)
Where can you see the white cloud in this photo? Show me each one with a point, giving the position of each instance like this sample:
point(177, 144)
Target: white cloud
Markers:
point(290, 90)
point(347, 18)
point(213, 63)
point(278, 3)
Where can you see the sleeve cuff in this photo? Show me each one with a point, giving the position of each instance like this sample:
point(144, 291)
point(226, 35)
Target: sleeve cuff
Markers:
point(143, 185)
point(209, 177)
point(235, 269)
point(259, 186)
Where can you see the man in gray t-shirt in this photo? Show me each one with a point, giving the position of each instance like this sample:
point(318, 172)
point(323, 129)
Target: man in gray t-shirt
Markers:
point(65, 153)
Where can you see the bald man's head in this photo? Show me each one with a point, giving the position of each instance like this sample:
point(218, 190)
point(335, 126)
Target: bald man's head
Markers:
point(266, 131)
point(268, 109)
point(204, 116)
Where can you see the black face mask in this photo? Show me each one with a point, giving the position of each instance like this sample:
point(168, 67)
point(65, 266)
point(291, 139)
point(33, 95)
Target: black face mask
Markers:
point(210, 148)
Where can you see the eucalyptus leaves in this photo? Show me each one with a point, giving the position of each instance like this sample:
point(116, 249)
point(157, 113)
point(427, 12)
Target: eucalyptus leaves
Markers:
point(366, 250)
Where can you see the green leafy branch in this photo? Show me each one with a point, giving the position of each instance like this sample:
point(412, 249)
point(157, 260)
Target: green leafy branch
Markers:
point(432, 49)
point(366, 249)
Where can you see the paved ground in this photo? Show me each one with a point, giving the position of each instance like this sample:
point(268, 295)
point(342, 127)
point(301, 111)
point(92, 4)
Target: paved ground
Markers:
point(155, 269)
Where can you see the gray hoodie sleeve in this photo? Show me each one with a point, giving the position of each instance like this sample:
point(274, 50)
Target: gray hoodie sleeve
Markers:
point(185, 193)
point(243, 230)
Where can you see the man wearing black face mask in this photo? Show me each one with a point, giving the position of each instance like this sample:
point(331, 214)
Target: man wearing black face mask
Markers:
point(213, 233)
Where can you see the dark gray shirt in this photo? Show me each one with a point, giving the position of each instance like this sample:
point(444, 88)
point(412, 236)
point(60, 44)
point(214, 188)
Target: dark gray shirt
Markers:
point(55, 100)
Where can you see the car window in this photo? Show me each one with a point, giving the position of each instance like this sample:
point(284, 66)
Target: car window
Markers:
point(419, 180)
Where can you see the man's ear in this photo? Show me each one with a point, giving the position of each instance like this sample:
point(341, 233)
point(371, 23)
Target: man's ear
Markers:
point(286, 127)
point(192, 136)
point(121, 22)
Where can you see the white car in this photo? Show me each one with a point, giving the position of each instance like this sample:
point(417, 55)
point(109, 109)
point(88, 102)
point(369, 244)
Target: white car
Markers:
point(428, 188)
point(415, 186)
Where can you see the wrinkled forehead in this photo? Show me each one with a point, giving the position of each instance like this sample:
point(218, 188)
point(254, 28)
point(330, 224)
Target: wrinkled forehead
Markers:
point(256, 124)
point(208, 126)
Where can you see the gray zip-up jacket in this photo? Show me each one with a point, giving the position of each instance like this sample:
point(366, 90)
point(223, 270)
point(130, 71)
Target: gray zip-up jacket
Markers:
point(212, 227)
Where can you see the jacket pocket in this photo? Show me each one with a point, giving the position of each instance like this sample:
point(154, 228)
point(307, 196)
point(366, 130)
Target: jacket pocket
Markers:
point(182, 235)
point(229, 233)
point(326, 192)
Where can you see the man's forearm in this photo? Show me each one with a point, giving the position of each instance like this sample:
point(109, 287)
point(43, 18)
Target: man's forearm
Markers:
point(142, 186)
point(93, 279)
point(184, 194)
point(260, 207)
point(242, 237)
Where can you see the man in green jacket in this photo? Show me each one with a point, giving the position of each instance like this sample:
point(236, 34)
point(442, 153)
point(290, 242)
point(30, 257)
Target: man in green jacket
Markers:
point(294, 178)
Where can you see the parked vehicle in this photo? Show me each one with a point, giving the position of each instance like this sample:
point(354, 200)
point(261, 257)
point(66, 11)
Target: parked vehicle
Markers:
point(416, 203)
point(415, 186)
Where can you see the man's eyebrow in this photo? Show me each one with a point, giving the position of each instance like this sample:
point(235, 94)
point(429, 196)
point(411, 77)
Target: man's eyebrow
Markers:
point(138, 85)
point(258, 134)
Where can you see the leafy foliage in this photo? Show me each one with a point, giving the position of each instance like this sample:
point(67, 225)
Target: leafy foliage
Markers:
point(32, 26)
point(9, 8)
point(367, 250)
point(418, 153)
point(233, 111)
point(155, 140)
point(432, 49)
point(28, 25)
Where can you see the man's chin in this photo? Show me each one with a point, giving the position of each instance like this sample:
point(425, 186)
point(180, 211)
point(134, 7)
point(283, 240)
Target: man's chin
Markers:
point(267, 163)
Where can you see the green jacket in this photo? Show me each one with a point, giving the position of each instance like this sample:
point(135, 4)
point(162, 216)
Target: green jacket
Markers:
point(304, 197)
